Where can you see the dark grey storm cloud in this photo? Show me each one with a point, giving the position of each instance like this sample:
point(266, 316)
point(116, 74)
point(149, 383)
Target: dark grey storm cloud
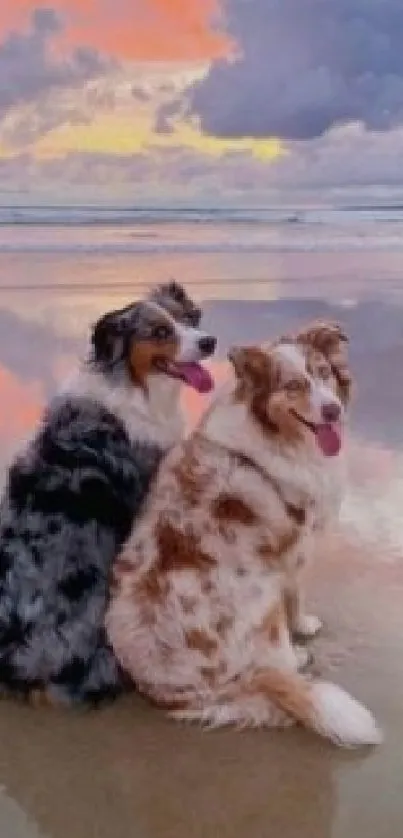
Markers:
point(28, 69)
point(304, 66)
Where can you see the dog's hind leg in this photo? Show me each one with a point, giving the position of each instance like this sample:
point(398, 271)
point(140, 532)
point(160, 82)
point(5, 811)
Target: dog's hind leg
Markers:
point(244, 709)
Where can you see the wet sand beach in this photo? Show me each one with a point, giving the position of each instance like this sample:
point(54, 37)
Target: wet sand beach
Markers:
point(127, 771)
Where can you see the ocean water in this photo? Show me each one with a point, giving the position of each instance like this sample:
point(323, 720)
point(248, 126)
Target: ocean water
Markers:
point(221, 253)
point(257, 273)
point(133, 230)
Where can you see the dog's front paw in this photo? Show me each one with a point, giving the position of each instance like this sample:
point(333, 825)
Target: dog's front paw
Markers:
point(308, 625)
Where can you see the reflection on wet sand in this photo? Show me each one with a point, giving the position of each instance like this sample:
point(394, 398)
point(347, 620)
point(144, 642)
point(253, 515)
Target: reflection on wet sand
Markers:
point(125, 770)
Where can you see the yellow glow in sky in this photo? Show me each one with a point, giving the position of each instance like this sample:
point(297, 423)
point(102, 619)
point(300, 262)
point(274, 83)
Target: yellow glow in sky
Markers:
point(108, 134)
point(120, 135)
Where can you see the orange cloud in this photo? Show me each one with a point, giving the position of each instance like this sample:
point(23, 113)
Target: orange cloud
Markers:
point(136, 30)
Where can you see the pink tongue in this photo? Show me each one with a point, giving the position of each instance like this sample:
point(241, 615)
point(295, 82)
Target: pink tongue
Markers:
point(196, 376)
point(329, 439)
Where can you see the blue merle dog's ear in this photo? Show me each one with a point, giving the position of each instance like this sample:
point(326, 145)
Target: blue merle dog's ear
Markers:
point(170, 290)
point(108, 338)
point(173, 297)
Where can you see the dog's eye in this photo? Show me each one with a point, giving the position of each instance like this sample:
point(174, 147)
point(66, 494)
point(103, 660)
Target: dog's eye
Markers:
point(324, 372)
point(162, 332)
point(295, 386)
point(192, 318)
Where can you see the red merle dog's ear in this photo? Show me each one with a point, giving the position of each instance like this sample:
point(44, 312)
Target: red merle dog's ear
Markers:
point(331, 341)
point(253, 367)
point(326, 337)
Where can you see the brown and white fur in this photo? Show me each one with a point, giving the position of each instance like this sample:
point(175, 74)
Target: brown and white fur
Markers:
point(198, 610)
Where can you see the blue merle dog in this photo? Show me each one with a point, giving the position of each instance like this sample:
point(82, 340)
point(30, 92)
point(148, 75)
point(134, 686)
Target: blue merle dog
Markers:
point(72, 495)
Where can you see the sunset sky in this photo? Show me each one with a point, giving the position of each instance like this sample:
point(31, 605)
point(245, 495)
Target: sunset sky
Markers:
point(200, 101)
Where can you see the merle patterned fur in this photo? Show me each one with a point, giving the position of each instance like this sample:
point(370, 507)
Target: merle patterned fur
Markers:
point(69, 503)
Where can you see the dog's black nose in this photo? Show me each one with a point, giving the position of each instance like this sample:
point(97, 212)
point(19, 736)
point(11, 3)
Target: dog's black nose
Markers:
point(331, 412)
point(207, 345)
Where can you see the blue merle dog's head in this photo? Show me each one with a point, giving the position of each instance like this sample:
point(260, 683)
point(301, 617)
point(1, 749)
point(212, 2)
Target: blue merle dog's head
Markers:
point(156, 336)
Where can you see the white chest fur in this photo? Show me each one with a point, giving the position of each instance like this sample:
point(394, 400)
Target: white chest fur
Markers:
point(153, 417)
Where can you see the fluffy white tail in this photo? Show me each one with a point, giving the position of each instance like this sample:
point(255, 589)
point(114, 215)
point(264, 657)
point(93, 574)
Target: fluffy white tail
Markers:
point(319, 705)
point(339, 717)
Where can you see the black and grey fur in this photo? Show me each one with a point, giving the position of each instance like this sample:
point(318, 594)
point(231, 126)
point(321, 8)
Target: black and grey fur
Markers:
point(69, 503)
